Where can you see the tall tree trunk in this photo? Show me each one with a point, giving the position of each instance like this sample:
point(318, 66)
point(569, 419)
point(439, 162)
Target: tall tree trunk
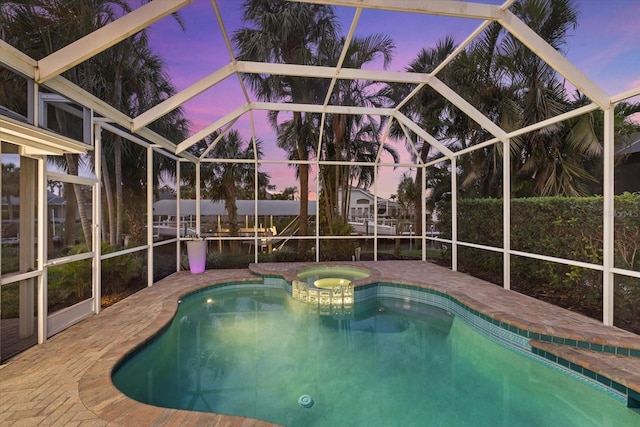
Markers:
point(117, 148)
point(328, 197)
point(303, 172)
point(108, 193)
point(72, 168)
point(343, 188)
point(417, 202)
point(304, 205)
point(339, 137)
point(232, 212)
point(136, 218)
point(346, 202)
point(117, 154)
point(417, 207)
point(70, 214)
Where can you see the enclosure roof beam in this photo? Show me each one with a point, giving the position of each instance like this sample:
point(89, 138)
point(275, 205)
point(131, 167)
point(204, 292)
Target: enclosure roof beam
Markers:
point(274, 106)
point(554, 58)
point(460, 9)
point(33, 140)
point(557, 119)
point(211, 128)
point(331, 72)
point(105, 37)
point(22, 63)
point(467, 108)
point(625, 95)
point(82, 97)
point(15, 59)
point(423, 134)
point(181, 97)
point(316, 108)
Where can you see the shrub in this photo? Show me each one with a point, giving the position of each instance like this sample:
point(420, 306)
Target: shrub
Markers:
point(562, 227)
point(70, 283)
point(288, 255)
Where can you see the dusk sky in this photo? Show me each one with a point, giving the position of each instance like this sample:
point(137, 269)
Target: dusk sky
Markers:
point(605, 46)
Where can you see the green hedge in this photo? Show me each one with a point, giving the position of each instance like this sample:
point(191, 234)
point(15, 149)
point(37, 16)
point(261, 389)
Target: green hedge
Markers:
point(561, 227)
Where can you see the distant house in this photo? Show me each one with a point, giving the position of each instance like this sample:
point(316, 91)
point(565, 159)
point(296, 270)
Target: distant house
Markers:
point(362, 205)
point(56, 207)
point(627, 173)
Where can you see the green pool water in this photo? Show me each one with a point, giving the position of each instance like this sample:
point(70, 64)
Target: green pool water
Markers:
point(256, 352)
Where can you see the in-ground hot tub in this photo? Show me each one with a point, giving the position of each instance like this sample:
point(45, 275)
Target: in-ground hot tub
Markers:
point(327, 287)
point(312, 274)
point(330, 282)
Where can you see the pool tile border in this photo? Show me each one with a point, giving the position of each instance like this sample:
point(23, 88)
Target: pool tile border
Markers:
point(501, 324)
point(512, 337)
point(515, 337)
point(629, 394)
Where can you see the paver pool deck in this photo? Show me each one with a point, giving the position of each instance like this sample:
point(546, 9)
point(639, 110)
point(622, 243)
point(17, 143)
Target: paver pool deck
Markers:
point(67, 380)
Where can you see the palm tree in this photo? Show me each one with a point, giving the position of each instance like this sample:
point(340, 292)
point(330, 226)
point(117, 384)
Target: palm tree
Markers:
point(514, 88)
point(406, 195)
point(625, 132)
point(523, 90)
point(41, 27)
point(478, 74)
point(428, 109)
point(349, 137)
point(289, 33)
point(287, 194)
point(128, 76)
point(224, 181)
point(546, 158)
point(138, 83)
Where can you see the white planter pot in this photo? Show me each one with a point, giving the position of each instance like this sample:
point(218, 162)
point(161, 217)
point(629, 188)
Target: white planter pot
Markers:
point(197, 252)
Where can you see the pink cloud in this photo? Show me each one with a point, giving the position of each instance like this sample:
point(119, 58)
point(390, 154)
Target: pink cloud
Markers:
point(604, 46)
point(635, 83)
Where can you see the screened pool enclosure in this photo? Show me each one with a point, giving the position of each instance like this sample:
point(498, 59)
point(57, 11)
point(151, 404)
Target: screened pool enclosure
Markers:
point(328, 156)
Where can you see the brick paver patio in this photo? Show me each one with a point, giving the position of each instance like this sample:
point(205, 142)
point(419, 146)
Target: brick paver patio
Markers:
point(67, 380)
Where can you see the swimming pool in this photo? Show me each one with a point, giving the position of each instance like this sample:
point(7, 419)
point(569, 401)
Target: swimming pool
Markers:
point(251, 350)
